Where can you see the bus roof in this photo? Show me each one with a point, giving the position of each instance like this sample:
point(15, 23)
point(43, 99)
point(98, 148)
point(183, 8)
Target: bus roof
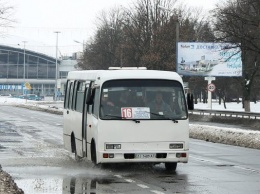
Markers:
point(104, 75)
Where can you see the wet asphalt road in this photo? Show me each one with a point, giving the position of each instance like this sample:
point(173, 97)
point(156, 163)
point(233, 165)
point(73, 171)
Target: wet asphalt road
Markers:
point(31, 150)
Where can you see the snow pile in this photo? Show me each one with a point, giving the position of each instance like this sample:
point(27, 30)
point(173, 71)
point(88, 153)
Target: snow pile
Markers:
point(7, 100)
point(231, 136)
point(7, 184)
point(46, 105)
point(226, 135)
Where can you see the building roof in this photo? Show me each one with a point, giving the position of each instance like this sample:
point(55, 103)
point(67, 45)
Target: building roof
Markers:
point(28, 52)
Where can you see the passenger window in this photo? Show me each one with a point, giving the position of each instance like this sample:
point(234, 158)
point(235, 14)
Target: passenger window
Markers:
point(96, 102)
point(71, 95)
point(74, 95)
point(91, 106)
point(80, 96)
point(66, 104)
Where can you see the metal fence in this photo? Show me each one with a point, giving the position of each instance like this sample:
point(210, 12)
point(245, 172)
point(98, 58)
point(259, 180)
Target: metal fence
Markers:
point(249, 115)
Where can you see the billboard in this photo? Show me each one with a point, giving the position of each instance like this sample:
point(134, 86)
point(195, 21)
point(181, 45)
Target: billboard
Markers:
point(209, 59)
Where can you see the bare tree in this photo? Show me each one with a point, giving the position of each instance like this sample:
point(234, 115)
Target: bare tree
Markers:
point(102, 51)
point(6, 17)
point(144, 35)
point(238, 22)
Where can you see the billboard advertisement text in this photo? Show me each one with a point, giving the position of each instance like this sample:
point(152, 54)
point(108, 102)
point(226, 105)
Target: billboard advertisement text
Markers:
point(209, 59)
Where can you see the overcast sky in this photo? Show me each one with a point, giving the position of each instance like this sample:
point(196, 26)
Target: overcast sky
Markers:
point(37, 20)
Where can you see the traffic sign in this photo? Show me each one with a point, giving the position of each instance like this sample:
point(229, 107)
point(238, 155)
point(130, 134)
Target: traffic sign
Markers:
point(27, 85)
point(211, 87)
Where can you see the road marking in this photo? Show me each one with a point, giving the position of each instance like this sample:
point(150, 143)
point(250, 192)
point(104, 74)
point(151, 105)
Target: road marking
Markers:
point(157, 192)
point(139, 185)
point(143, 186)
point(129, 180)
point(247, 169)
point(204, 160)
point(233, 165)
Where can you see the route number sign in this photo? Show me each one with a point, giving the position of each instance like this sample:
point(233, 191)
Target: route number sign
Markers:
point(211, 87)
point(135, 112)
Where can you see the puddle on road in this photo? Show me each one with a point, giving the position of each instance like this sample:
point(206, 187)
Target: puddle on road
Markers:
point(2, 147)
point(71, 185)
point(99, 185)
point(40, 185)
point(57, 180)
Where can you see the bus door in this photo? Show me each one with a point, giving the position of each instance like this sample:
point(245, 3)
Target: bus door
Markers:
point(76, 115)
point(84, 120)
point(92, 114)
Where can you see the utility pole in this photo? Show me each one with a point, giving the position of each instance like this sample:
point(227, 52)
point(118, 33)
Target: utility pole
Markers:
point(57, 70)
point(24, 65)
point(177, 32)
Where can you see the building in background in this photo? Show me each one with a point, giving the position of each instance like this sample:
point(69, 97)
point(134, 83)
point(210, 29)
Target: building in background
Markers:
point(68, 63)
point(20, 66)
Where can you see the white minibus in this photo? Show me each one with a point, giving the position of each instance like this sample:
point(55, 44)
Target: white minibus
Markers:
point(126, 115)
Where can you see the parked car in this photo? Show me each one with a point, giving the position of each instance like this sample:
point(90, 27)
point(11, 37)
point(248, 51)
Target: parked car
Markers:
point(33, 97)
point(23, 97)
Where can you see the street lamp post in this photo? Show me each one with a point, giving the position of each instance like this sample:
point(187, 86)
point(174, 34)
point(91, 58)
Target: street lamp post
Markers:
point(80, 59)
point(177, 30)
point(57, 72)
point(24, 65)
point(83, 44)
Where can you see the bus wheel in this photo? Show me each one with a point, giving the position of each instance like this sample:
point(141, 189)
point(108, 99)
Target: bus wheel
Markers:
point(74, 149)
point(93, 153)
point(77, 157)
point(171, 166)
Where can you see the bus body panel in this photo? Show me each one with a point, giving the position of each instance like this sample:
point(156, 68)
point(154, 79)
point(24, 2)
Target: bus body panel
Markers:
point(143, 137)
point(145, 131)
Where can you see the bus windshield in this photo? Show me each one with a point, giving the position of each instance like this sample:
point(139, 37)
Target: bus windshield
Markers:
point(143, 99)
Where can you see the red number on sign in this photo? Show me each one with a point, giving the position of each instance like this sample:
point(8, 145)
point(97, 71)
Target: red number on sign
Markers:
point(126, 112)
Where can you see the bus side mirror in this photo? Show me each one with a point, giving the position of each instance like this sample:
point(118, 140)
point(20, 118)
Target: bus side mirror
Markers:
point(190, 102)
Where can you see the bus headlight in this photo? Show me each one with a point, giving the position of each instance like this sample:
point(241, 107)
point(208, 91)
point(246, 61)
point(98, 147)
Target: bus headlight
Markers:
point(113, 146)
point(176, 146)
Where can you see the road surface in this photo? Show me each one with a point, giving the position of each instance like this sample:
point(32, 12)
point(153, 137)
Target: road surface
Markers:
point(31, 148)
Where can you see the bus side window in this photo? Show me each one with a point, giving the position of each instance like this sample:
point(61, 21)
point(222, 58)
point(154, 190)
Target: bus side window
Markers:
point(96, 104)
point(80, 96)
point(71, 95)
point(66, 101)
point(75, 87)
point(91, 106)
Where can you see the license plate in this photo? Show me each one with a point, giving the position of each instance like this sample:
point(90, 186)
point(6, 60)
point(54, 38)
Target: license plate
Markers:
point(143, 156)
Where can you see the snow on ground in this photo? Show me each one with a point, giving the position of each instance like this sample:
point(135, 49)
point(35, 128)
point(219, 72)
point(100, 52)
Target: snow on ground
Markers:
point(230, 106)
point(213, 133)
point(227, 135)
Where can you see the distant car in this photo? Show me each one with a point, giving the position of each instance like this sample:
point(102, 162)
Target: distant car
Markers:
point(22, 96)
point(33, 97)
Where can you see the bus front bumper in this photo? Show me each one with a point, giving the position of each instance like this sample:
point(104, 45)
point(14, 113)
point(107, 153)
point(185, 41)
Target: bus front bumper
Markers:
point(153, 157)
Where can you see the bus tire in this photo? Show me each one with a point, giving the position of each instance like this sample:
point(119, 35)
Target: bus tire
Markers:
point(74, 149)
point(93, 153)
point(77, 157)
point(171, 166)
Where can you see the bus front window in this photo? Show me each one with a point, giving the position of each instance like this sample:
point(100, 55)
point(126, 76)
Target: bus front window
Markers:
point(143, 99)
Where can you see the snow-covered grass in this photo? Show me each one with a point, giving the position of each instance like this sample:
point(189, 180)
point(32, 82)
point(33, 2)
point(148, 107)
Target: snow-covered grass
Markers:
point(230, 106)
point(228, 135)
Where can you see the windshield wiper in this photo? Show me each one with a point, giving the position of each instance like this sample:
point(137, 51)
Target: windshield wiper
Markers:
point(164, 116)
point(122, 118)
